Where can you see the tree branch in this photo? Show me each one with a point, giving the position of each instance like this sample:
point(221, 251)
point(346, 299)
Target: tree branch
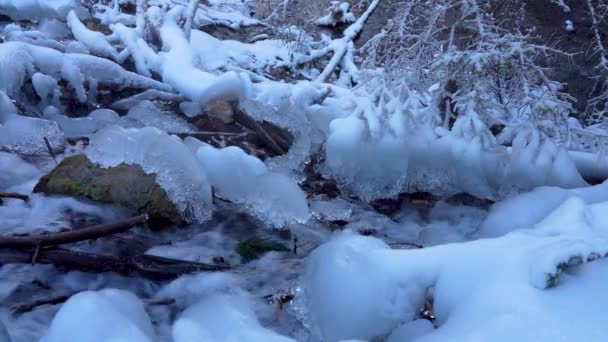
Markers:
point(147, 266)
point(55, 239)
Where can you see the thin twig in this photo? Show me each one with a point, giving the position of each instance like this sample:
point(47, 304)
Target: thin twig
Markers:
point(48, 146)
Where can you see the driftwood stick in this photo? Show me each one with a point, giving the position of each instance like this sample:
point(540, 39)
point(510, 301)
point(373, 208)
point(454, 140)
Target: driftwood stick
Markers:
point(55, 239)
point(14, 195)
point(147, 266)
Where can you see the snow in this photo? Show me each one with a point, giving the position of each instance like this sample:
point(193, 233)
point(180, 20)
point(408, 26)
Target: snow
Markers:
point(222, 318)
point(109, 315)
point(226, 54)
point(526, 210)
point(177, 170)
point(569, 26)
point(357, 287)
point(410, 331)
point(273, 197)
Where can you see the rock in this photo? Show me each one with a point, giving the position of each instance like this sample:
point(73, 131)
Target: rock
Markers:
point(255, 247)
point(124, 184)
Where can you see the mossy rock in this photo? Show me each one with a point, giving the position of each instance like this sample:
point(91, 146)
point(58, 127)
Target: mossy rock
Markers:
point(127, 185)
point(255, 247)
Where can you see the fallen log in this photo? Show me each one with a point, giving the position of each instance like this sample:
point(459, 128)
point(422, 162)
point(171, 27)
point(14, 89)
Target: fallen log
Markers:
point(147, 266)
point(60, 238)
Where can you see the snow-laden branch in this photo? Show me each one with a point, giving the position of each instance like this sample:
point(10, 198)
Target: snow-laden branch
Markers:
point(340, 46)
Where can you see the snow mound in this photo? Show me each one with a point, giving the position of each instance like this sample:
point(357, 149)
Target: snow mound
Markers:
point(244, 179)
point(101, 316)
point(222, 318)
point(177, 170)
point(357, 287)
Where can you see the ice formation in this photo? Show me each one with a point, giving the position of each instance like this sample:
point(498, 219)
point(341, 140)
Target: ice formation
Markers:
point(177, 170)
point(244, 179)
point(147, 113)
point(26, 135)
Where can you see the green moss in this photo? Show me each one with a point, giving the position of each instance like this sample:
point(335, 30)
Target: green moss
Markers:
point(255, 247)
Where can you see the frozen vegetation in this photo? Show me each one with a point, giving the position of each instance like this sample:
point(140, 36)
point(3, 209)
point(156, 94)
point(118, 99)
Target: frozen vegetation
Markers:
point(341, 170)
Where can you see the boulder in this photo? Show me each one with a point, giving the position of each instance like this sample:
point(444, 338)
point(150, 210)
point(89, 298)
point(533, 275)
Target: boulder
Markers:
point(124, 184)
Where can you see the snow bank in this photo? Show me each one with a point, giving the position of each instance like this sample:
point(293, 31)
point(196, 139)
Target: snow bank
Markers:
point(101, 316)
point(177, 170)
point(244, 179)
point(222, 318)
point(357, 287)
